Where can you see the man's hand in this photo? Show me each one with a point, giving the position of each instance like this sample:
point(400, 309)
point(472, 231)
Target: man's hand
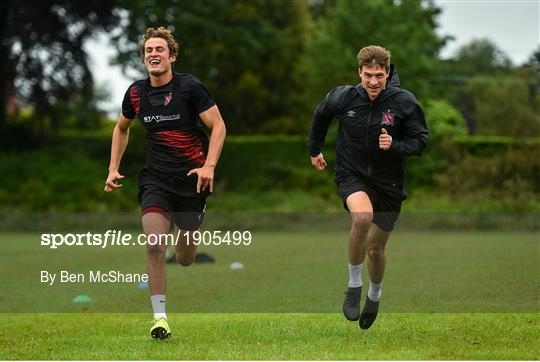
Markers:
point(205, 176)
point(110, 184)
point(385, 140)
point(318, 162)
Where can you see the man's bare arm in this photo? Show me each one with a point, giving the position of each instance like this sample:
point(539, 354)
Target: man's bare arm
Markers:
point(213, 120)
point(120, 140)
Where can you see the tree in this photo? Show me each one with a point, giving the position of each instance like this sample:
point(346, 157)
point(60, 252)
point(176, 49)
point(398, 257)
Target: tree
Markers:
point(534, 65)
point(534, 59)
point(243, 50)
point(406, 28)
point(44, 63)
point(481, 56)
point(489, 92)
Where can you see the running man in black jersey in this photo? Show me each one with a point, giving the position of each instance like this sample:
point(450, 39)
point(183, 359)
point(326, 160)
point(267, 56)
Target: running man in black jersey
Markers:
point(379, 125)
point(179, 171)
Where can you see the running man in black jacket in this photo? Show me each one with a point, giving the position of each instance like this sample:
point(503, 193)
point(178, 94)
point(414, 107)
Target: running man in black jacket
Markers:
point(379, 125)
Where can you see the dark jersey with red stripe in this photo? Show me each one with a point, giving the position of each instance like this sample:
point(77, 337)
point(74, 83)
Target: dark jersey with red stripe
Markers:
point(175, 139)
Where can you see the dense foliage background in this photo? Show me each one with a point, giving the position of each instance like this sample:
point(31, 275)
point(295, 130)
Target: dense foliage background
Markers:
point(268, 63)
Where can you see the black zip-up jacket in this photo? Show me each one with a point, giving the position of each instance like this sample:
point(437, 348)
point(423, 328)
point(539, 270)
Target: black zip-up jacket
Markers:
point(360, 124)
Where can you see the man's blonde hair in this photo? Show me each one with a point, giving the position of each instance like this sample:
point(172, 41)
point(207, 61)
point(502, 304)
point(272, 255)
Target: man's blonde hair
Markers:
point(374, 55)
point(162, 33)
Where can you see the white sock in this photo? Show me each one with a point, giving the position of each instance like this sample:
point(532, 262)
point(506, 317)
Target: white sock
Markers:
point(374, 292)
point(169, 253)
point(355, 275)
point(158, 305)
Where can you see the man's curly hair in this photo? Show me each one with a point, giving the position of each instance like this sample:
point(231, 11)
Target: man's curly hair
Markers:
point(163, 33)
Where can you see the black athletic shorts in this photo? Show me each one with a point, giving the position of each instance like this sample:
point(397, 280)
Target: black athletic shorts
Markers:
point(386, 208)
point(184, 210)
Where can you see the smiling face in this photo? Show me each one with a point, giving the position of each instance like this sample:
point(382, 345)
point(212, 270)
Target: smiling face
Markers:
point(157, 58)
point(373, 79)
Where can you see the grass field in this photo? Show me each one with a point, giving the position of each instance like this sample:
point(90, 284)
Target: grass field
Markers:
point(460, 295)
point(272, 336)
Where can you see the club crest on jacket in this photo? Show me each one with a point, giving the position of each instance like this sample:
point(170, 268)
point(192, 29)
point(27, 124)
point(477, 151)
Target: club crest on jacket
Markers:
point(388, 119)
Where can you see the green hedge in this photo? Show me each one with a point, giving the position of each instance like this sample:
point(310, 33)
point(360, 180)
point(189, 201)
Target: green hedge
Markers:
point(260, 172)
point(69, 174)
point(262, 163)
point(492, 145)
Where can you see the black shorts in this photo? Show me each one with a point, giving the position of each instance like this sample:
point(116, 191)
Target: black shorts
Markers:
point(187, 213)
point(184, 210)
point(386, 208)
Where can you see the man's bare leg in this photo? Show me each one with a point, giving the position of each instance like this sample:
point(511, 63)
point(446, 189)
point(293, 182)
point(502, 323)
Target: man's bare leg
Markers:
point(361, 212)
point(156, 226)
point(185, 249)
point(376, 243)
